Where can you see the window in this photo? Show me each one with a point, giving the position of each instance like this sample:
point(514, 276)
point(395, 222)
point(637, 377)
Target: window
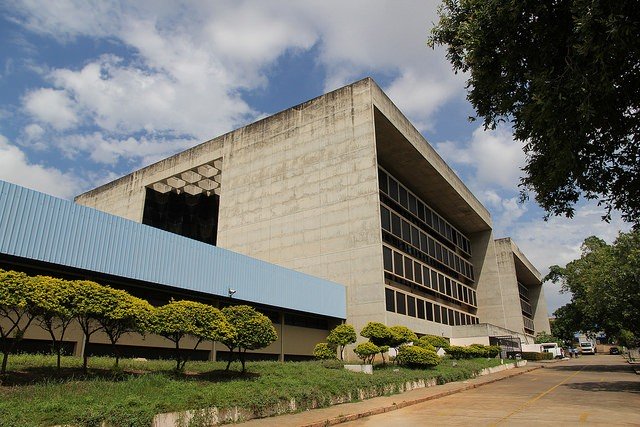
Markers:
point(382, 180)
point(427, 217)
point(411, 306)
point(403, 196)
point(401, 304)
point(450, 316)
point(445, 318)
point(420, 210)
point(457, 318)
point(448, 286)
point(436, 313)
point(423, 243)
point(413, 208)
point(420, 307)
point(429, 310)
point(406, 231)
point(425, 276)
point(408, 268)
point(385, 218)
point(441, 286)
point(390, 299)
point(397, 264)
point(415, 237)
point(387, 256)
point(434, 280)
point(395, 225)
point(393, 189)
point(417, 273)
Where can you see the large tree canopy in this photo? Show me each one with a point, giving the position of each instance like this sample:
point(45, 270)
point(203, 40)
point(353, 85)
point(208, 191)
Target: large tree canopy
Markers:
point(566, 75)
point(605, 287)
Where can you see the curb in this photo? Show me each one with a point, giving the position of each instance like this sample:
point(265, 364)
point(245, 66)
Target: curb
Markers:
point(352, 417)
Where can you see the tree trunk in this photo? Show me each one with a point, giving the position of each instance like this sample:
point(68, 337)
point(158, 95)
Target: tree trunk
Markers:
point(5, 358)
point(230, 358)
point(85, 354)
point(242, 356)
point(177, 355)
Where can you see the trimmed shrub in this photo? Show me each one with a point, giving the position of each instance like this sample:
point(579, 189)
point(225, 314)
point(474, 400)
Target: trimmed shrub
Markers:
point(417, 357)
point(423, 344)
point(367, 351)
point(433, 340)
point(473, 351)
point(341, 336)
point(324, 351)
point(333, 363)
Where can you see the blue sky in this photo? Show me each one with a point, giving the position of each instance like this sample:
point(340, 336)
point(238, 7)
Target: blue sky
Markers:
point(92, 91)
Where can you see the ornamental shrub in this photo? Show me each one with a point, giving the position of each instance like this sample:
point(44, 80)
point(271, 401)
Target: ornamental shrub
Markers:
point(424, 344)
point(366, 351)
point(417, 357)
point(341, 336)
point(324, 351)
point(435, 341)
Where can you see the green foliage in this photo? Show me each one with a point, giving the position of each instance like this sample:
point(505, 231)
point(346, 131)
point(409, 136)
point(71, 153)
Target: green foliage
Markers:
point(333, 363)
point(132, 399)
point(605, 288)
point(251, 330)
point(433, 340)
point(564, 75)
point(628, 339)
point(179, 319)
point(544, 337)
point(401, 335)
point(341, 336)
point(473, 351)
point(366, 351)
point(378, 333)
point(20, 297)
point(424, 344)
point(417, 357)
point(324, 351)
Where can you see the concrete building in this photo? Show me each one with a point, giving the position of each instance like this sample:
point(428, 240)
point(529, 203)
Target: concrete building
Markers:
point(341, 187)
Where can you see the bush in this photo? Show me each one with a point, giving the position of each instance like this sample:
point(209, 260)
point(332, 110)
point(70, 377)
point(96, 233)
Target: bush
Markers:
point(333, 364)
point(324, 351)
point(425, 345)
point(341, 336)
point(366, 351)
point(530, 355)
point(473, 351)
point(433, 340)
point(417, 357)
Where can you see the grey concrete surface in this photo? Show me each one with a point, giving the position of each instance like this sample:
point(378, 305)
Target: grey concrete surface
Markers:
point(593, 390)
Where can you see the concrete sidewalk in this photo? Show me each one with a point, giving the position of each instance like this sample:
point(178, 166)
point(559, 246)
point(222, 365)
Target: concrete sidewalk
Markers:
point(352, 411)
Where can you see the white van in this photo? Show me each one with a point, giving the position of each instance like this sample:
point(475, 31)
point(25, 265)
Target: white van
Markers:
point(587, 348)
point(553, 348)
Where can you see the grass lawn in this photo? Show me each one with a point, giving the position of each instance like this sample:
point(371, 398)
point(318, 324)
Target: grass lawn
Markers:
point(34, 393)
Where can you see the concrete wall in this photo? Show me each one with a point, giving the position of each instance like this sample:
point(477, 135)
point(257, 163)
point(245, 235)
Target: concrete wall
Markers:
point(488, 284)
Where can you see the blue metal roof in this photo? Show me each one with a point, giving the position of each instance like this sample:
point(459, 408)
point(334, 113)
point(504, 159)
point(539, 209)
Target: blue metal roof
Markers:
point(41, 227)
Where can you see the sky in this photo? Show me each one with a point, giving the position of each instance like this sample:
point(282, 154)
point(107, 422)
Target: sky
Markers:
point(90, 91)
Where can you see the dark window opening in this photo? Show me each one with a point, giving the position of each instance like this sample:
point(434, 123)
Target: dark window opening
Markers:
point(411, 306)
point(401, 304)
point(390, 299)
point(195, 217)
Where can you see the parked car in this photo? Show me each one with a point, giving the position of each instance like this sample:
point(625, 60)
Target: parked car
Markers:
point(587, 348)
point(614, 350)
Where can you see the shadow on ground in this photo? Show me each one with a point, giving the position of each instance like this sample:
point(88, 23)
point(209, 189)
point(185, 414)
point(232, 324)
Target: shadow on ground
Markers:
point(616, 386)
point(593, 368)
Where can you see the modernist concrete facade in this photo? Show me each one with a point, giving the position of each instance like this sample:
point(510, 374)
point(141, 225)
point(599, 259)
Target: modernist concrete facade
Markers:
point(341, 187)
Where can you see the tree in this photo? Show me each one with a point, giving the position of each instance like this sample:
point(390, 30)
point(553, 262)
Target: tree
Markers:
point(180, 319)
point(122, 313)
point(565, 75)
point(434, 340)
point(56, 310)
point(90, 300)
point(324, 351)
point(252, 330)
point(544, 337)
point(366, 351)
point(605, 286)
point(20, 296)
point(401, 335)
point(380, 335)
point(341, 336)
point(567, 322)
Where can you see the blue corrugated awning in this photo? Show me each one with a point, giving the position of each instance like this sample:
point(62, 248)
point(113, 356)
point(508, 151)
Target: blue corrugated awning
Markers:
point(37, 226)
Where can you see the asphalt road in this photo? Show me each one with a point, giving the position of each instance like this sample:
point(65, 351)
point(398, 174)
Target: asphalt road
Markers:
point(594, 390)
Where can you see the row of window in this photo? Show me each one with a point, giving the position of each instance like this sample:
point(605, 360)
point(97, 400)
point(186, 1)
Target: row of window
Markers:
point(398, 302)
point(523, 291)
point(526, 307)
point(396, 225)
point(528, 325)
point(398, 192)
point(408, 268)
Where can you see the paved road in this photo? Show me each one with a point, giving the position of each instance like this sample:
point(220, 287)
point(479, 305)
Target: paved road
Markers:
point(595, 390)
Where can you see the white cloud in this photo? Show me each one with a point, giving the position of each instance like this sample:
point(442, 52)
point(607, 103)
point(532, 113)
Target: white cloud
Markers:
point(16, 168)
point(106, 150)
point(53, 107)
